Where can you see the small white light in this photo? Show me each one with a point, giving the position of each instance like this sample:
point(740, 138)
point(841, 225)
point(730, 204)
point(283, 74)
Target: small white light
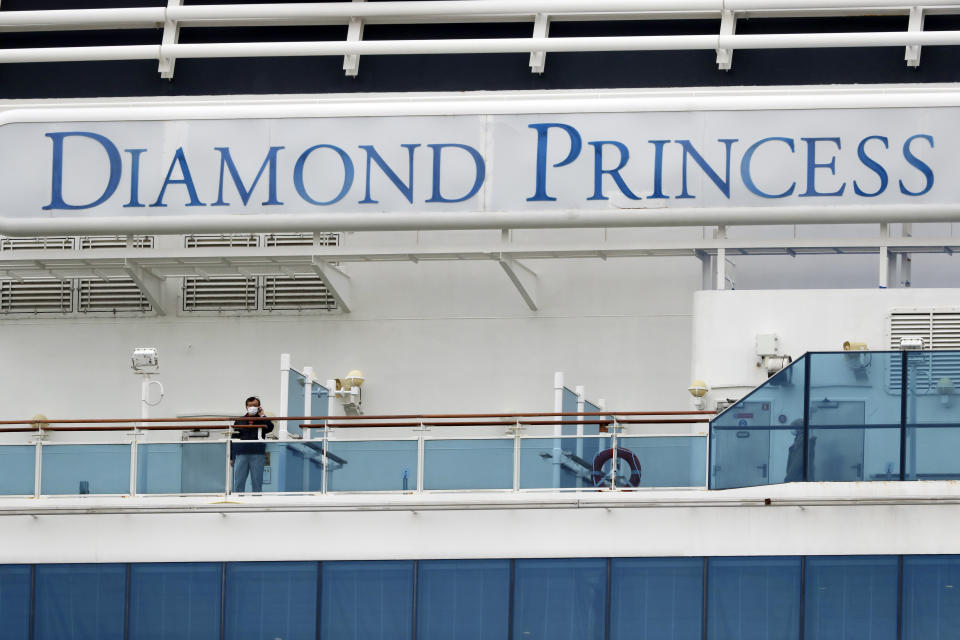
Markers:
point(145, 360)
point(911, 343)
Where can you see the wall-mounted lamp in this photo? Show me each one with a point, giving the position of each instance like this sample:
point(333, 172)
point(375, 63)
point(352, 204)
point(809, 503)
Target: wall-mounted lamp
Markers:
point(698, 389)
point(348, 391)
point(911, 343)
point(146, 362)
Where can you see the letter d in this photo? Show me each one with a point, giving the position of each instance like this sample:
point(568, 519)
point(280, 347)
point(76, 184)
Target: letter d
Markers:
point(56, 189)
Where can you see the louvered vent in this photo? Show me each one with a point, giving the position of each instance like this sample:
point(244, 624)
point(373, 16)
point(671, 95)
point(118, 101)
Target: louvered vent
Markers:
point(301, 239)
point(121, 294)
point(282, 292)
point(223, 293)
point(115, 242)
point(223, 240)
point(36, 296)
point(940, 330)
point(56, 242)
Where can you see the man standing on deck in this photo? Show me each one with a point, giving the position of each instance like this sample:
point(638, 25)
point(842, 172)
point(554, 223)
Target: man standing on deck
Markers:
point(249, 457)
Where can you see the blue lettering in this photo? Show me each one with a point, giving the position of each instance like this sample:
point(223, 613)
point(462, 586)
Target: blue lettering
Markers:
point(657, 169)
point(614, 173)
point(226, 160)
point(813, 165)
point(748, 178)
point(477, 161)
point(873, 165)
point(919, 164)
point(576, 144)
point(56, 187)
point(688, 150)
point(347, 174)
point(405, 189)
point(186, 180)
point(134, 178)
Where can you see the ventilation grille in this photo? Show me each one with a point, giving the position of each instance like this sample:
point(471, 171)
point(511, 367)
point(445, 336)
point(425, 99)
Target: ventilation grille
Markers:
point(223, 240)
point(940, 330)
point(115, 242)
point(219, 293)
point(36, 296)
point(301, 239)
point(56, 242)
point(121, 294)
point(282, 292)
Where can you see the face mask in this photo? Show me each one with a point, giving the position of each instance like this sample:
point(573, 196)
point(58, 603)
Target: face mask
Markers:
point(252, 411)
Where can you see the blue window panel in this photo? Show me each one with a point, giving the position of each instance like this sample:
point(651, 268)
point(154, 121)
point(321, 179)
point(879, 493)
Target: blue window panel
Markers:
point(17, 464)
point(559, 463)
point(560, 599)
point(851, 598)
point(468, 464)
point(463, 600)
point(296, 400)
point(759, 440)
point(931, 381)
point(383, 465)
point(755, 598)
point(370, 600)
point(71, 469)
point(15, 602)
point(197, 467)
point(931, 597)
point(80, 601)
point(271, 600)
point(175, 601)
point(658, 598)
point(670, 462)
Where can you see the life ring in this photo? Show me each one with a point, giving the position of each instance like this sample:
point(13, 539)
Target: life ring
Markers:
point(622, 454)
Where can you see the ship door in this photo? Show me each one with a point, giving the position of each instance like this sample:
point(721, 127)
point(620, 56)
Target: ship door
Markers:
point(746, 448)
point(835, 446)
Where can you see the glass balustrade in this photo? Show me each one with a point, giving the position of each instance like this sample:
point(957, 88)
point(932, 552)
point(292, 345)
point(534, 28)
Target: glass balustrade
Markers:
point(17, 463)
point(180, 468)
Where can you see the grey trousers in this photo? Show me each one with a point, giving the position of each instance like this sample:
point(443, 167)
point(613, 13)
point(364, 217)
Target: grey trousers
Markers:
point(252, 464)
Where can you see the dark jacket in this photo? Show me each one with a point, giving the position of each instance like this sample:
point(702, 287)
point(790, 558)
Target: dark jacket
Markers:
point(258, 446)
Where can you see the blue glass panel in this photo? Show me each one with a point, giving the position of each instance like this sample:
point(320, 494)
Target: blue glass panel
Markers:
point(384, 465)
point(931, 597)
point(287, 467)
point(296, 394)
point(759, 440)
point(267, 600)
point(468, 464)
point(933, 416)
point(70, 469)
point(756, 598)
point(15, 602)
point(367, 601)
point(198, 467)
point(17, 463)
point(854, 428)
point(851, 598)
point(80, 601)
point(560, 599)
point(559, 462)
point(677, 461)
point(570, 404)
point(173, 601)
point(658, 598)
point(463, 600)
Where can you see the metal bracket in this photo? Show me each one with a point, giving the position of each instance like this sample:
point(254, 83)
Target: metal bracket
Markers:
point(541, 31)
point(336, 281)
point(171, 33)
point(351, 61)
point(912, 53)
point(523, 279)
point(728, 26)
point(149, 284)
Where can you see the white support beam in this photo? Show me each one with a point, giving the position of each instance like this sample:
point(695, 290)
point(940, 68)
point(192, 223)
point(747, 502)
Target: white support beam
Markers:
point(171, 34)
point(915, 25)
point(728, 26)
point(351, 61)
point(149, 284)
point(336, 281)
point(522, 278)
point(541, 31)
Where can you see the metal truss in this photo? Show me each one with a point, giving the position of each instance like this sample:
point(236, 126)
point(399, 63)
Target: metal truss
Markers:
point(170, 20)
point(149, 267)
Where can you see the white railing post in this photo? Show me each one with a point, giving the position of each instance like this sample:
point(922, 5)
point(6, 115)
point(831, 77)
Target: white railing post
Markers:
point(171, 33)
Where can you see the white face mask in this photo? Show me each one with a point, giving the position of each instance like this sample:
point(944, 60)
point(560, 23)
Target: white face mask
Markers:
point(252, 411)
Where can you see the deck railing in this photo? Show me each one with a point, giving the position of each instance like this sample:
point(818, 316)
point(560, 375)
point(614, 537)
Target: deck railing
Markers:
point(400, 453)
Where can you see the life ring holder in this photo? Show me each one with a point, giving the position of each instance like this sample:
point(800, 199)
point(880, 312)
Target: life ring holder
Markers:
point(622, 454)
